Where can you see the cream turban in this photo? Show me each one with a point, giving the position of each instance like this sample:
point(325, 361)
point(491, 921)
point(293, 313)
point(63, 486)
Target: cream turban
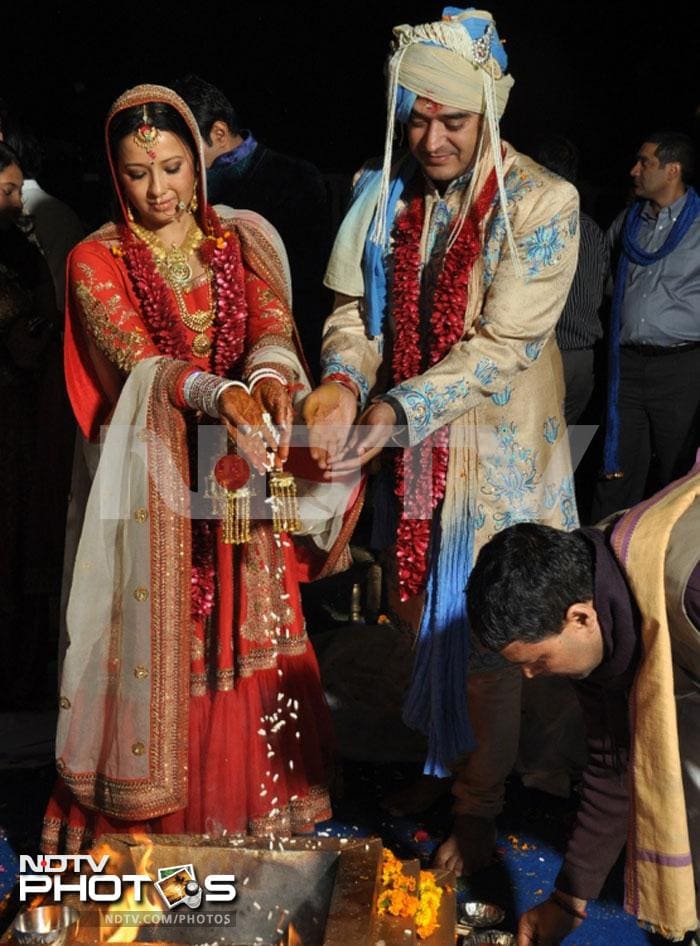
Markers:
point(436, 73)
point(452, 61)
point(458, 61)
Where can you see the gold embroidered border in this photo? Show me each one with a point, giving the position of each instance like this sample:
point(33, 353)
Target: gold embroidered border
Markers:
point(313, 807)
point(266, 609)
point(171, 621)
point(267, 341)
point(267, 659)
point(262, 256)
point(279, 825)
point(165, 788)
point(220, 680)
point(75, 838)
point(299, 816)
point(339, 558)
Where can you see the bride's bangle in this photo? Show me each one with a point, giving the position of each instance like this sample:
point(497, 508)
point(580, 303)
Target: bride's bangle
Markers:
point(201, 391)
point(260, 373)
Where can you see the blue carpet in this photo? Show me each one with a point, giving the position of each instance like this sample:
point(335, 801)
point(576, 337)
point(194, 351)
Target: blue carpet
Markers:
point(8, 875)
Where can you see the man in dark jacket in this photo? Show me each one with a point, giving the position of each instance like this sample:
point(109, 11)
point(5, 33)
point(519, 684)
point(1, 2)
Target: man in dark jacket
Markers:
point(583, 604)
point(290, 193)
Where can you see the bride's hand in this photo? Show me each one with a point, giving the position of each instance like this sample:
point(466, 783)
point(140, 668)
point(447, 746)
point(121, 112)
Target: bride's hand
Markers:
point(242, 416)
point(273, 398)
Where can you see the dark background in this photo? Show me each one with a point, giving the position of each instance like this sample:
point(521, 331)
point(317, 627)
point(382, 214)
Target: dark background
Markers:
point(307, 77)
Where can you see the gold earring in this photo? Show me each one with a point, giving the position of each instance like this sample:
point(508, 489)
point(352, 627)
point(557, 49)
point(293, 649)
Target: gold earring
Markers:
point(194, 203)
point(129, 212)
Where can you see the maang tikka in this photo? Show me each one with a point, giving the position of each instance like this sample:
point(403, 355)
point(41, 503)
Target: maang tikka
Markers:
point(147, 135)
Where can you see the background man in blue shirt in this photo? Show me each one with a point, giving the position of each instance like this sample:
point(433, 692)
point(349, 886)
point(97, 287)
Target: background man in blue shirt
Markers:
point(654, 386)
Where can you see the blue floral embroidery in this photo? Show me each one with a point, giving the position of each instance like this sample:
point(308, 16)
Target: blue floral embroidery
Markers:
point(517, 184)
point(511, 477)
point(542, 247)
point(510, 517)
point(533, 348)
point(502, 397)
point(493, 247)
point(563, 494)
point(486, 370)
point(567, 504)
point(551, 495)
point(336, 366)
point(427, 405)
point(573, 223)
point(480, 517)
point(569, 517)
point(551, 429)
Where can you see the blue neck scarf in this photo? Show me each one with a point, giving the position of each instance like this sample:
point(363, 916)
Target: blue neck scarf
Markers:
point(239, 154)
point(633, 253)
point(373, 260)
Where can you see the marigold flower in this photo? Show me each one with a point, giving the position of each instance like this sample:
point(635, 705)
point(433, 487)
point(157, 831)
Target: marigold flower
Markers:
point(398, 900)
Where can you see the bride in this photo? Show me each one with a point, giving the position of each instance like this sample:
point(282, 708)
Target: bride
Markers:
point(190, 698)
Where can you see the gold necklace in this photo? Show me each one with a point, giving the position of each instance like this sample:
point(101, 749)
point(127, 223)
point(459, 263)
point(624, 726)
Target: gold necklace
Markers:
point(174, 266)
point(172, 261)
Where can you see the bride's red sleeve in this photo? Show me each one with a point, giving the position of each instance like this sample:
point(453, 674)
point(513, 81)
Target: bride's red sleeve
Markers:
point(105, 334)
point(270, 325)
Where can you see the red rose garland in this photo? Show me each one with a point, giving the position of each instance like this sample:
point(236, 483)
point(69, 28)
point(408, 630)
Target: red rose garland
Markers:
point(221, 252)
point(421, 472)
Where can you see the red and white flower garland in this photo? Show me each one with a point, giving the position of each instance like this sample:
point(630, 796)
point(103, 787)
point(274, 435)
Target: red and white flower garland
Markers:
point(421, 472)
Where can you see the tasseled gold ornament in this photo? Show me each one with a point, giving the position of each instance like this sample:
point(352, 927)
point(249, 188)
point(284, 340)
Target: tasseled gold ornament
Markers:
point(285, 504)
point(235, 522)
point(232, 498)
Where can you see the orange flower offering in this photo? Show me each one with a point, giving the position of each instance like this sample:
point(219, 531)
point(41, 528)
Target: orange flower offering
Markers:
point(398, 897)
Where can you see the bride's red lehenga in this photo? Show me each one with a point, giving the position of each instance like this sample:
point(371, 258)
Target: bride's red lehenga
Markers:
point(255, 753)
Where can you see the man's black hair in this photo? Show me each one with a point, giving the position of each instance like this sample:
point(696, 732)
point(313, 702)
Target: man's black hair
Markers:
point(524, 581)
point(560, 155)
point(675, 146)
point(21, 140)
point(208, 105)
point(8, 157)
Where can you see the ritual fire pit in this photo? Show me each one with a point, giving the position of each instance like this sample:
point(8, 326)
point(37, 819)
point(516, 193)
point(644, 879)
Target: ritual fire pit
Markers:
point(310, 891)
point(304, 891)
point(289, 892)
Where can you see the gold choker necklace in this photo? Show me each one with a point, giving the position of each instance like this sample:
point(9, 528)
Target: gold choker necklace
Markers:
point(173, 263)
